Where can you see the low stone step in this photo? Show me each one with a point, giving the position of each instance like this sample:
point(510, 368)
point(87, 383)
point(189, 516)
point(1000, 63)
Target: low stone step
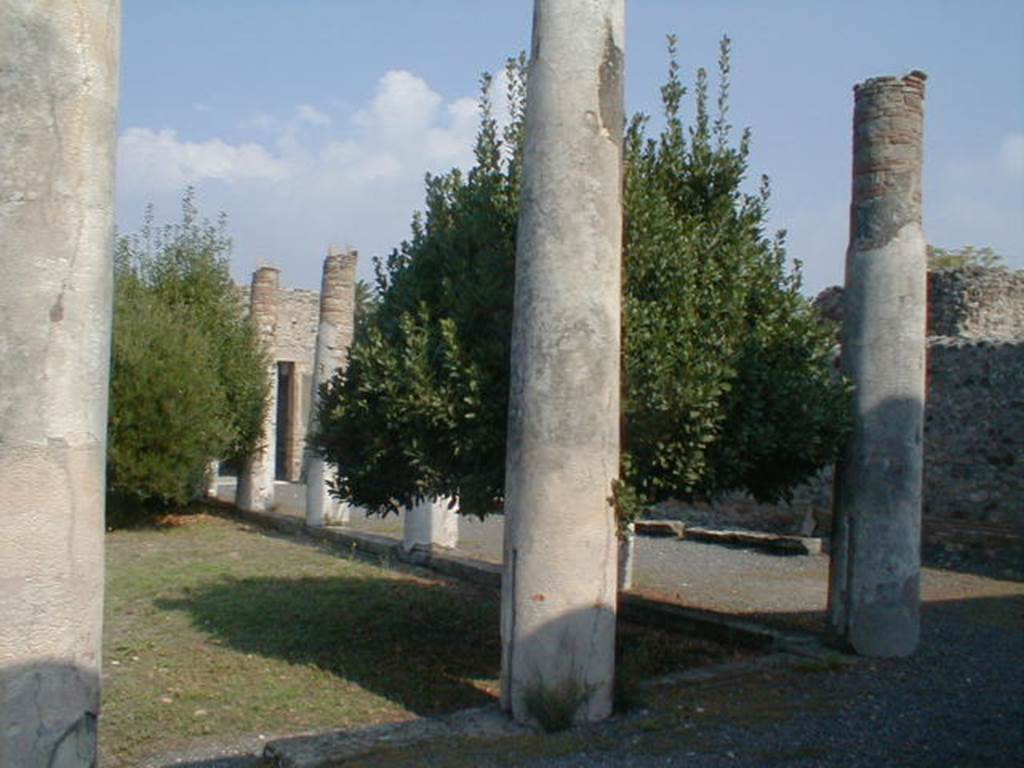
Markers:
point(774, 543)
point(669, 529)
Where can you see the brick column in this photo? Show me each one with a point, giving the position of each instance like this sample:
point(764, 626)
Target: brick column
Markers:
point(874, 579)
point(333, 338)
point(256, 481)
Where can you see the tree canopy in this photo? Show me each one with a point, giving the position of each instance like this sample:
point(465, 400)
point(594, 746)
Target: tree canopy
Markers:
point(726, 367)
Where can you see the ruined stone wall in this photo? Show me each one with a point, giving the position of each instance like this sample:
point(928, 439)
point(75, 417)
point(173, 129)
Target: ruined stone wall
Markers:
point(976, 302)
point(297, 319)
point(295, 342)
point(972, 302)
point(974, 430)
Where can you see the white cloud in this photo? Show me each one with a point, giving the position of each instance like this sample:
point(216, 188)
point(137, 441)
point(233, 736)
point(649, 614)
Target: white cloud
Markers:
point(198, 106)
point(403, 105)
point(449, 142)
point(261, 121)
point(159, 158)
point(303, 179)
point(1011, 154)
point(307, 113)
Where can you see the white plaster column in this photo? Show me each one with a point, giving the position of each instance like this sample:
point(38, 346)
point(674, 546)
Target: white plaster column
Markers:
point(333, 338)
point(58, 115)
point(431, 523)
point(559, 585)
point(876, 530)
point(256, 480)
point(212, 478)
point(627, 558)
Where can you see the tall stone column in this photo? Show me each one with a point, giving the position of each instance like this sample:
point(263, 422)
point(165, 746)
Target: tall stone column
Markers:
point(58, 115)
point(256, 481)
point(876, 561)
point(333, 338)
point(558, 590)
point(431, 523)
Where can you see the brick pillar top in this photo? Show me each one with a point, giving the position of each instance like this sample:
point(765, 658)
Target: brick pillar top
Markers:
point(337, 287)
point(266, 282)
point(887, 156)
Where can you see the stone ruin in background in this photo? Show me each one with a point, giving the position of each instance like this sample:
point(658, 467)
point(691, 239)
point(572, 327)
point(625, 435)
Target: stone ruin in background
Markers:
point(292, 352)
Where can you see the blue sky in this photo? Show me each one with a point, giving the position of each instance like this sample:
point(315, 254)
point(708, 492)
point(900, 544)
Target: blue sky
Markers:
point(311, 122)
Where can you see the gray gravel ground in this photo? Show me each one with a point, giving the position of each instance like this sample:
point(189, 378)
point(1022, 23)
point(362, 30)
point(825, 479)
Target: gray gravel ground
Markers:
point(958, 702)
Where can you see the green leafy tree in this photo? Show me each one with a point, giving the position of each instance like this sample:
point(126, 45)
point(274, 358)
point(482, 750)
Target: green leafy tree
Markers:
point(187, 379)
point(727, 381)
point(421, 409)
point(967, 256)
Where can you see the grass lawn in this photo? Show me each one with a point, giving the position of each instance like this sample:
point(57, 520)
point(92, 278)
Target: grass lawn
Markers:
point(215, 630)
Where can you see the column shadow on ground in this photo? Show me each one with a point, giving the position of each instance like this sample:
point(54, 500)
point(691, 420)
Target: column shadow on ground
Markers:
point(414, 643)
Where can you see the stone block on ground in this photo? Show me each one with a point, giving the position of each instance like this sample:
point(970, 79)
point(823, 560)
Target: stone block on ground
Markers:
point(772, 543)
point(672, 529)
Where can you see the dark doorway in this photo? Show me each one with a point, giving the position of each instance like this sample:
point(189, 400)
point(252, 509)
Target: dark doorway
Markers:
point(285, 393)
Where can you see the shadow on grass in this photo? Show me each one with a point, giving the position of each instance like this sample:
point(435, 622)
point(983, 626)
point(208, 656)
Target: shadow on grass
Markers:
point(415, 643)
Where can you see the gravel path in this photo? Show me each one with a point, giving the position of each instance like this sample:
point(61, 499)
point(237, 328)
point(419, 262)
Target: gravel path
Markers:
point(958, 702)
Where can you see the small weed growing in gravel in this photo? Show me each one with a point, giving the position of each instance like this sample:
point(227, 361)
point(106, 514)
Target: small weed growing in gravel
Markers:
point(554, 707)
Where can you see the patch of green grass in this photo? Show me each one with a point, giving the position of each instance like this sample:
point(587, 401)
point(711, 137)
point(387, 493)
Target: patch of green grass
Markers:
point(215, 630)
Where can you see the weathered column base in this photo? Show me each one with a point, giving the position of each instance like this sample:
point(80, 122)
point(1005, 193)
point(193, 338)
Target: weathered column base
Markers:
point(255, 489)
point(627, 549)
point(431, 523)
point(322, 508)
point(212, 479)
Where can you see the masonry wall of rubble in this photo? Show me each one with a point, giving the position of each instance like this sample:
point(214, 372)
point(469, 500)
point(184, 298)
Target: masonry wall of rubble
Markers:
point(297, 319)
point(976, 302)
point(974, 430)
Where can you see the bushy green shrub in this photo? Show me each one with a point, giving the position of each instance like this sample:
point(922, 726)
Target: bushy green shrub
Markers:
point(188, 382)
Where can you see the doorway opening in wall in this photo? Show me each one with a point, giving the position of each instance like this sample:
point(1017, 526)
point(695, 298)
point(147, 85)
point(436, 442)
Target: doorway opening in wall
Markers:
point(285, 423)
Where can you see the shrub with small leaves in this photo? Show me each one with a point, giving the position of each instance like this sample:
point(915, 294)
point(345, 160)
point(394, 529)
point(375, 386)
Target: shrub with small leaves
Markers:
point(188, 382)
